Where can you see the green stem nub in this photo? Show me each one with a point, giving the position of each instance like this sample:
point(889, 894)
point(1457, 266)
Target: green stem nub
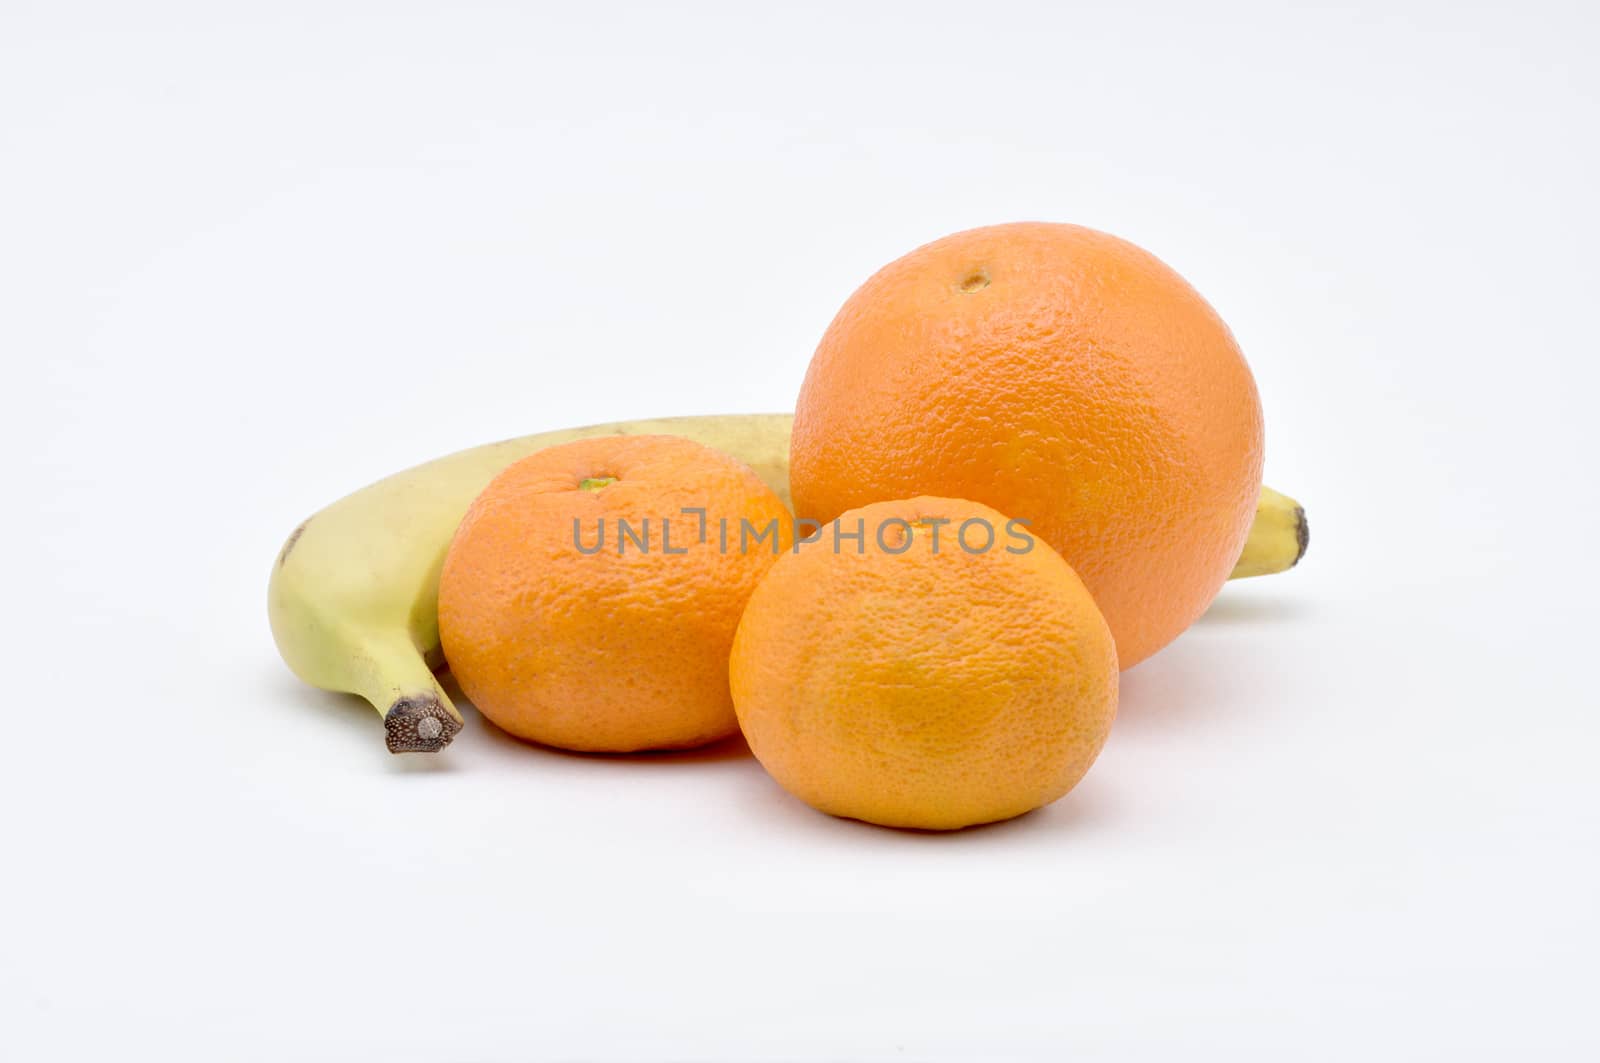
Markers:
point(594, 483)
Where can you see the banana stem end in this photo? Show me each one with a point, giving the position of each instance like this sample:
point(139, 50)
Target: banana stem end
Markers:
point(419, 724)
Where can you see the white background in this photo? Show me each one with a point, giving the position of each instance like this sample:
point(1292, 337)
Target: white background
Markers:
point(255, 256)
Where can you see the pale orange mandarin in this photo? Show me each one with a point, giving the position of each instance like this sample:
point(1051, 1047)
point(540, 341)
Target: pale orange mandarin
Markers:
point(924, 678)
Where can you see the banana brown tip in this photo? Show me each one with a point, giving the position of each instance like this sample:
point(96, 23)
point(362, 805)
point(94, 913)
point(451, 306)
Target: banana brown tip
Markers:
point(419, 725)
point(1302, 534)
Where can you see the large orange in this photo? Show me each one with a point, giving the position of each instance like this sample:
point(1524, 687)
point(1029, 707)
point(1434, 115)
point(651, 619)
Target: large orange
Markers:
point(923, 664)
point(591, 593)
point(1057, 374)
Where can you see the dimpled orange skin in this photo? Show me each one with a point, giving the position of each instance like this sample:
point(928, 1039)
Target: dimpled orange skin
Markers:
point(1058, 374)
point(605, 652)
point(924, 689)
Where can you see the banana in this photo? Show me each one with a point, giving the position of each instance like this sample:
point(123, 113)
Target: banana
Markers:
point(354, 592)
point(1278, 537)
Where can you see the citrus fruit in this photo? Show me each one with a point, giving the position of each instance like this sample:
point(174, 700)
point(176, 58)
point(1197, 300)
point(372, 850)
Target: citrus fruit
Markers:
point(940, 670)
point(1060, 375)
point(590, 595)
